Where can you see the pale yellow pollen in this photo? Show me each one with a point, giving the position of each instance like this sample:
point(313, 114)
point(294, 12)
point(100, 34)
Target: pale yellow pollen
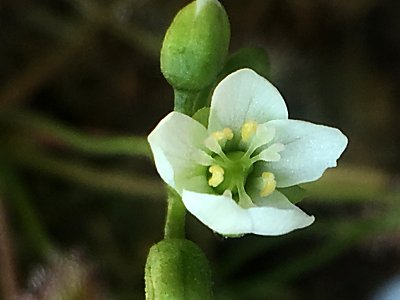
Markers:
point(224, 134)
point(269, 184)
point(217, 175)
point(248, 130)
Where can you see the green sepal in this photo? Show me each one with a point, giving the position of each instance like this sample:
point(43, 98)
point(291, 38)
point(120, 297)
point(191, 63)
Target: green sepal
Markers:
point(177, 269)
point(233, 236)
point(251, 57)
point(294, 193)
point(202, 116)
point(255, 58)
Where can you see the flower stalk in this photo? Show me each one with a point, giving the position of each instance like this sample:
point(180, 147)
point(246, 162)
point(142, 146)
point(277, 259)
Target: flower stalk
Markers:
point(176, 212)
point(185, 101)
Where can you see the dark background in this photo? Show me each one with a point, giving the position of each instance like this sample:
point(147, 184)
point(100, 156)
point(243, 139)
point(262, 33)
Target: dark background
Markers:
point(76, 75)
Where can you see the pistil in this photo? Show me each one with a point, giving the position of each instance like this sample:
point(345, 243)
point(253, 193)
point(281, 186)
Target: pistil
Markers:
point(229, 171)
point(244, 199)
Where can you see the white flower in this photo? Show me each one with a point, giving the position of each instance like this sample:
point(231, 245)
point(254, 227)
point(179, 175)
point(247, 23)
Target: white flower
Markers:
point(230, 175)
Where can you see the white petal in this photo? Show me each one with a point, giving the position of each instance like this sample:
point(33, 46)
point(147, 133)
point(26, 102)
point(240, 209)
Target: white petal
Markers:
point(223, 215)
point(277, 215)
point(245, 96)
point(220, 213)
point(175, 143)
point(309, 150)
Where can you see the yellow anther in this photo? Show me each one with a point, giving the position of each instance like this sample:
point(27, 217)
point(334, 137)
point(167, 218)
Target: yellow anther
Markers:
point(218, 135)
point(269, 184)
point(248, 130)
point(217, 175)
point(228, 133)
point(224, 134)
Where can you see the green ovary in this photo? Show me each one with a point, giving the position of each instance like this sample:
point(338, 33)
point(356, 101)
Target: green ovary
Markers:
point(236, 167)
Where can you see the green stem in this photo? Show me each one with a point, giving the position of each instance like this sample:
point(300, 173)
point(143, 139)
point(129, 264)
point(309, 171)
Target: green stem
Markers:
point(185, 101)
point(175, 223)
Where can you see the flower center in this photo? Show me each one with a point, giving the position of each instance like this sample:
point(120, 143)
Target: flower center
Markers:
point(228, 171)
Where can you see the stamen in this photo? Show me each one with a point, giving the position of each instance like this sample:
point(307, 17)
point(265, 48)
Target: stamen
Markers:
point(202, 158)
point(227, 193)
point(212, 142)
point(248, 130)
point(244, 199)
point(269, 184)
point(262, 136)
point(269, 154)
point(228, 133)
point(215, 147)
point(218, 135)
point(225, 134)
point(217, 175)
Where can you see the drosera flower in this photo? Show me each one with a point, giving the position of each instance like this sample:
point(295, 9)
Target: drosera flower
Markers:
point(232, 175)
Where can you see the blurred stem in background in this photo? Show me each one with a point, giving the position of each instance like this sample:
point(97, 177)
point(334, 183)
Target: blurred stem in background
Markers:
point(337, 236)
point(341, 236)
point(8, 276)
point(72, 39)
point(19, 202)
point(19, 88)
point(106, 17)
point(114, 181)
point(59, 133)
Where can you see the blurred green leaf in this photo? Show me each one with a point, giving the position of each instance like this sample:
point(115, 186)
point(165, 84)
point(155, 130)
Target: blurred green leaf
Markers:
point(250, 57)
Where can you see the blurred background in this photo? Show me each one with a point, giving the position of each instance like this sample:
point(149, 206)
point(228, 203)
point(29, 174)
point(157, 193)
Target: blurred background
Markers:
point(80, 200)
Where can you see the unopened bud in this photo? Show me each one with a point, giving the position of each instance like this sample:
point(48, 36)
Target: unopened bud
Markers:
point(196, 45)
point(177, 269)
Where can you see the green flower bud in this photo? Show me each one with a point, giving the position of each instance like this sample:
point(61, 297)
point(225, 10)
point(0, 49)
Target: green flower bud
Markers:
point(177, 269)
point(195, 45)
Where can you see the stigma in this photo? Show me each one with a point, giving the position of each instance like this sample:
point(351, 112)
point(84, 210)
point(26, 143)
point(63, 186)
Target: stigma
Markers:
point(269, 184)
point(217, 175)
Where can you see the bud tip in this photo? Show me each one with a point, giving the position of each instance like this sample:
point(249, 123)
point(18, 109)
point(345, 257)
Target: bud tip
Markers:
point(201, 3)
